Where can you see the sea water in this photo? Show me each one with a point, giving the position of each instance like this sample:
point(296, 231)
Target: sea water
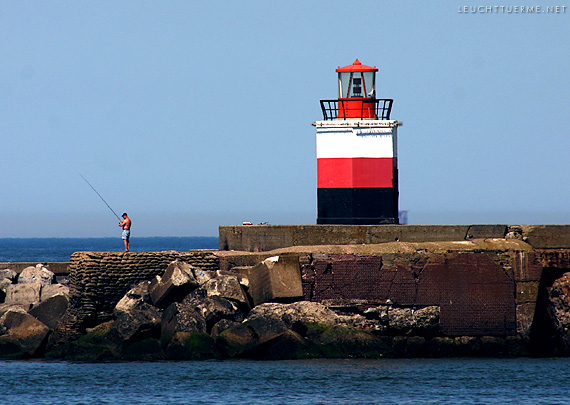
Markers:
point(60, 249)
point(402, 381)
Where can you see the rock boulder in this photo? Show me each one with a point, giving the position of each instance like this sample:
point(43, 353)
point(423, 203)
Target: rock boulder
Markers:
point(213, 308)
point(136, 295)
point(25, 294)
point(8, 274)
point(50, 311)
point(141, 321)
point(268, 321)
point(227, 287)
point(559, 310)
point(410, 321)
point(174, 285)
point(276, 279)
point(25, 331)
point(52, 290)
point(4, 283)
point(38, 274)
point(180, 318)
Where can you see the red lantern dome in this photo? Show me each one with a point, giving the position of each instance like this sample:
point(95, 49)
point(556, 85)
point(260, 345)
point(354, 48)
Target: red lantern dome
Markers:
point(357, 67)
point(357, 91)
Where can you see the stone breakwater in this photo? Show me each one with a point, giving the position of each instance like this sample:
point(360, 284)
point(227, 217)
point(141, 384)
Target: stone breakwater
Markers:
point(478, 297)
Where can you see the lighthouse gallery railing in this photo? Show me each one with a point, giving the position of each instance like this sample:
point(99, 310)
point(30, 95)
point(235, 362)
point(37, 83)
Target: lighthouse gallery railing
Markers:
point(330, 108)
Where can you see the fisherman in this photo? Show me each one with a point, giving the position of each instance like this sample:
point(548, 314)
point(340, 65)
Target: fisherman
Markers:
point(126, 225)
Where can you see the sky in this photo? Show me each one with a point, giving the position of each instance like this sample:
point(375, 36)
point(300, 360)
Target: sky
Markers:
point(188, 115)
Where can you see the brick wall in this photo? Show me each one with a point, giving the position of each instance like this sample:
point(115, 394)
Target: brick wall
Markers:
point(475, 291)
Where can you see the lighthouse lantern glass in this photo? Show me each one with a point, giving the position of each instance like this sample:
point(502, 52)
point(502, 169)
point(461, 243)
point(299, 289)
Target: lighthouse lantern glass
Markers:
point(357, 84)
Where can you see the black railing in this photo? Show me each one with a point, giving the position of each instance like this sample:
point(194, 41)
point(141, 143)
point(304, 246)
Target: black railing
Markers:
point(381, 107)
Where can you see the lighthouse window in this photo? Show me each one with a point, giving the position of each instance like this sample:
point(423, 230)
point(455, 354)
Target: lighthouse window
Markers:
point(356, 87)
point(344, 84)
point(356, 84)
point(369, 85)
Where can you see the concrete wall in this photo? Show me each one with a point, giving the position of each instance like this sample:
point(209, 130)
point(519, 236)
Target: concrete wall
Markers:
point(259, 238)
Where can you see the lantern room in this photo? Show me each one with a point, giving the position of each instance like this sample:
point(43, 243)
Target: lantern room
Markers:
point(356, 91)
point(356, 96)
point(357, 81)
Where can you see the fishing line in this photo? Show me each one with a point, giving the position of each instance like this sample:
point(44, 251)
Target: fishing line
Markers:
point(100, 197)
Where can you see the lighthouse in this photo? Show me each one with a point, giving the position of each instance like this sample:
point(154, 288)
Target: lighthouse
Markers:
point(357, 165)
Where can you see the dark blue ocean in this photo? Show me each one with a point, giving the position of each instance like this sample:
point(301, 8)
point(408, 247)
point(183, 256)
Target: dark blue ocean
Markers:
point(404, 381)
point(60, 249)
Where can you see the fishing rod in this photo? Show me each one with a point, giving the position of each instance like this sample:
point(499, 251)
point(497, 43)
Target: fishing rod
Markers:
point(100, 197)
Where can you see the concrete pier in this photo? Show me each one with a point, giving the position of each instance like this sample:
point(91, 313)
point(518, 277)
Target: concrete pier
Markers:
point(260, 238)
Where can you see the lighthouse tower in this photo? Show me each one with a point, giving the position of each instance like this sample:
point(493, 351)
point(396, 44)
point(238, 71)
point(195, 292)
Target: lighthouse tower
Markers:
point(357, 170)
